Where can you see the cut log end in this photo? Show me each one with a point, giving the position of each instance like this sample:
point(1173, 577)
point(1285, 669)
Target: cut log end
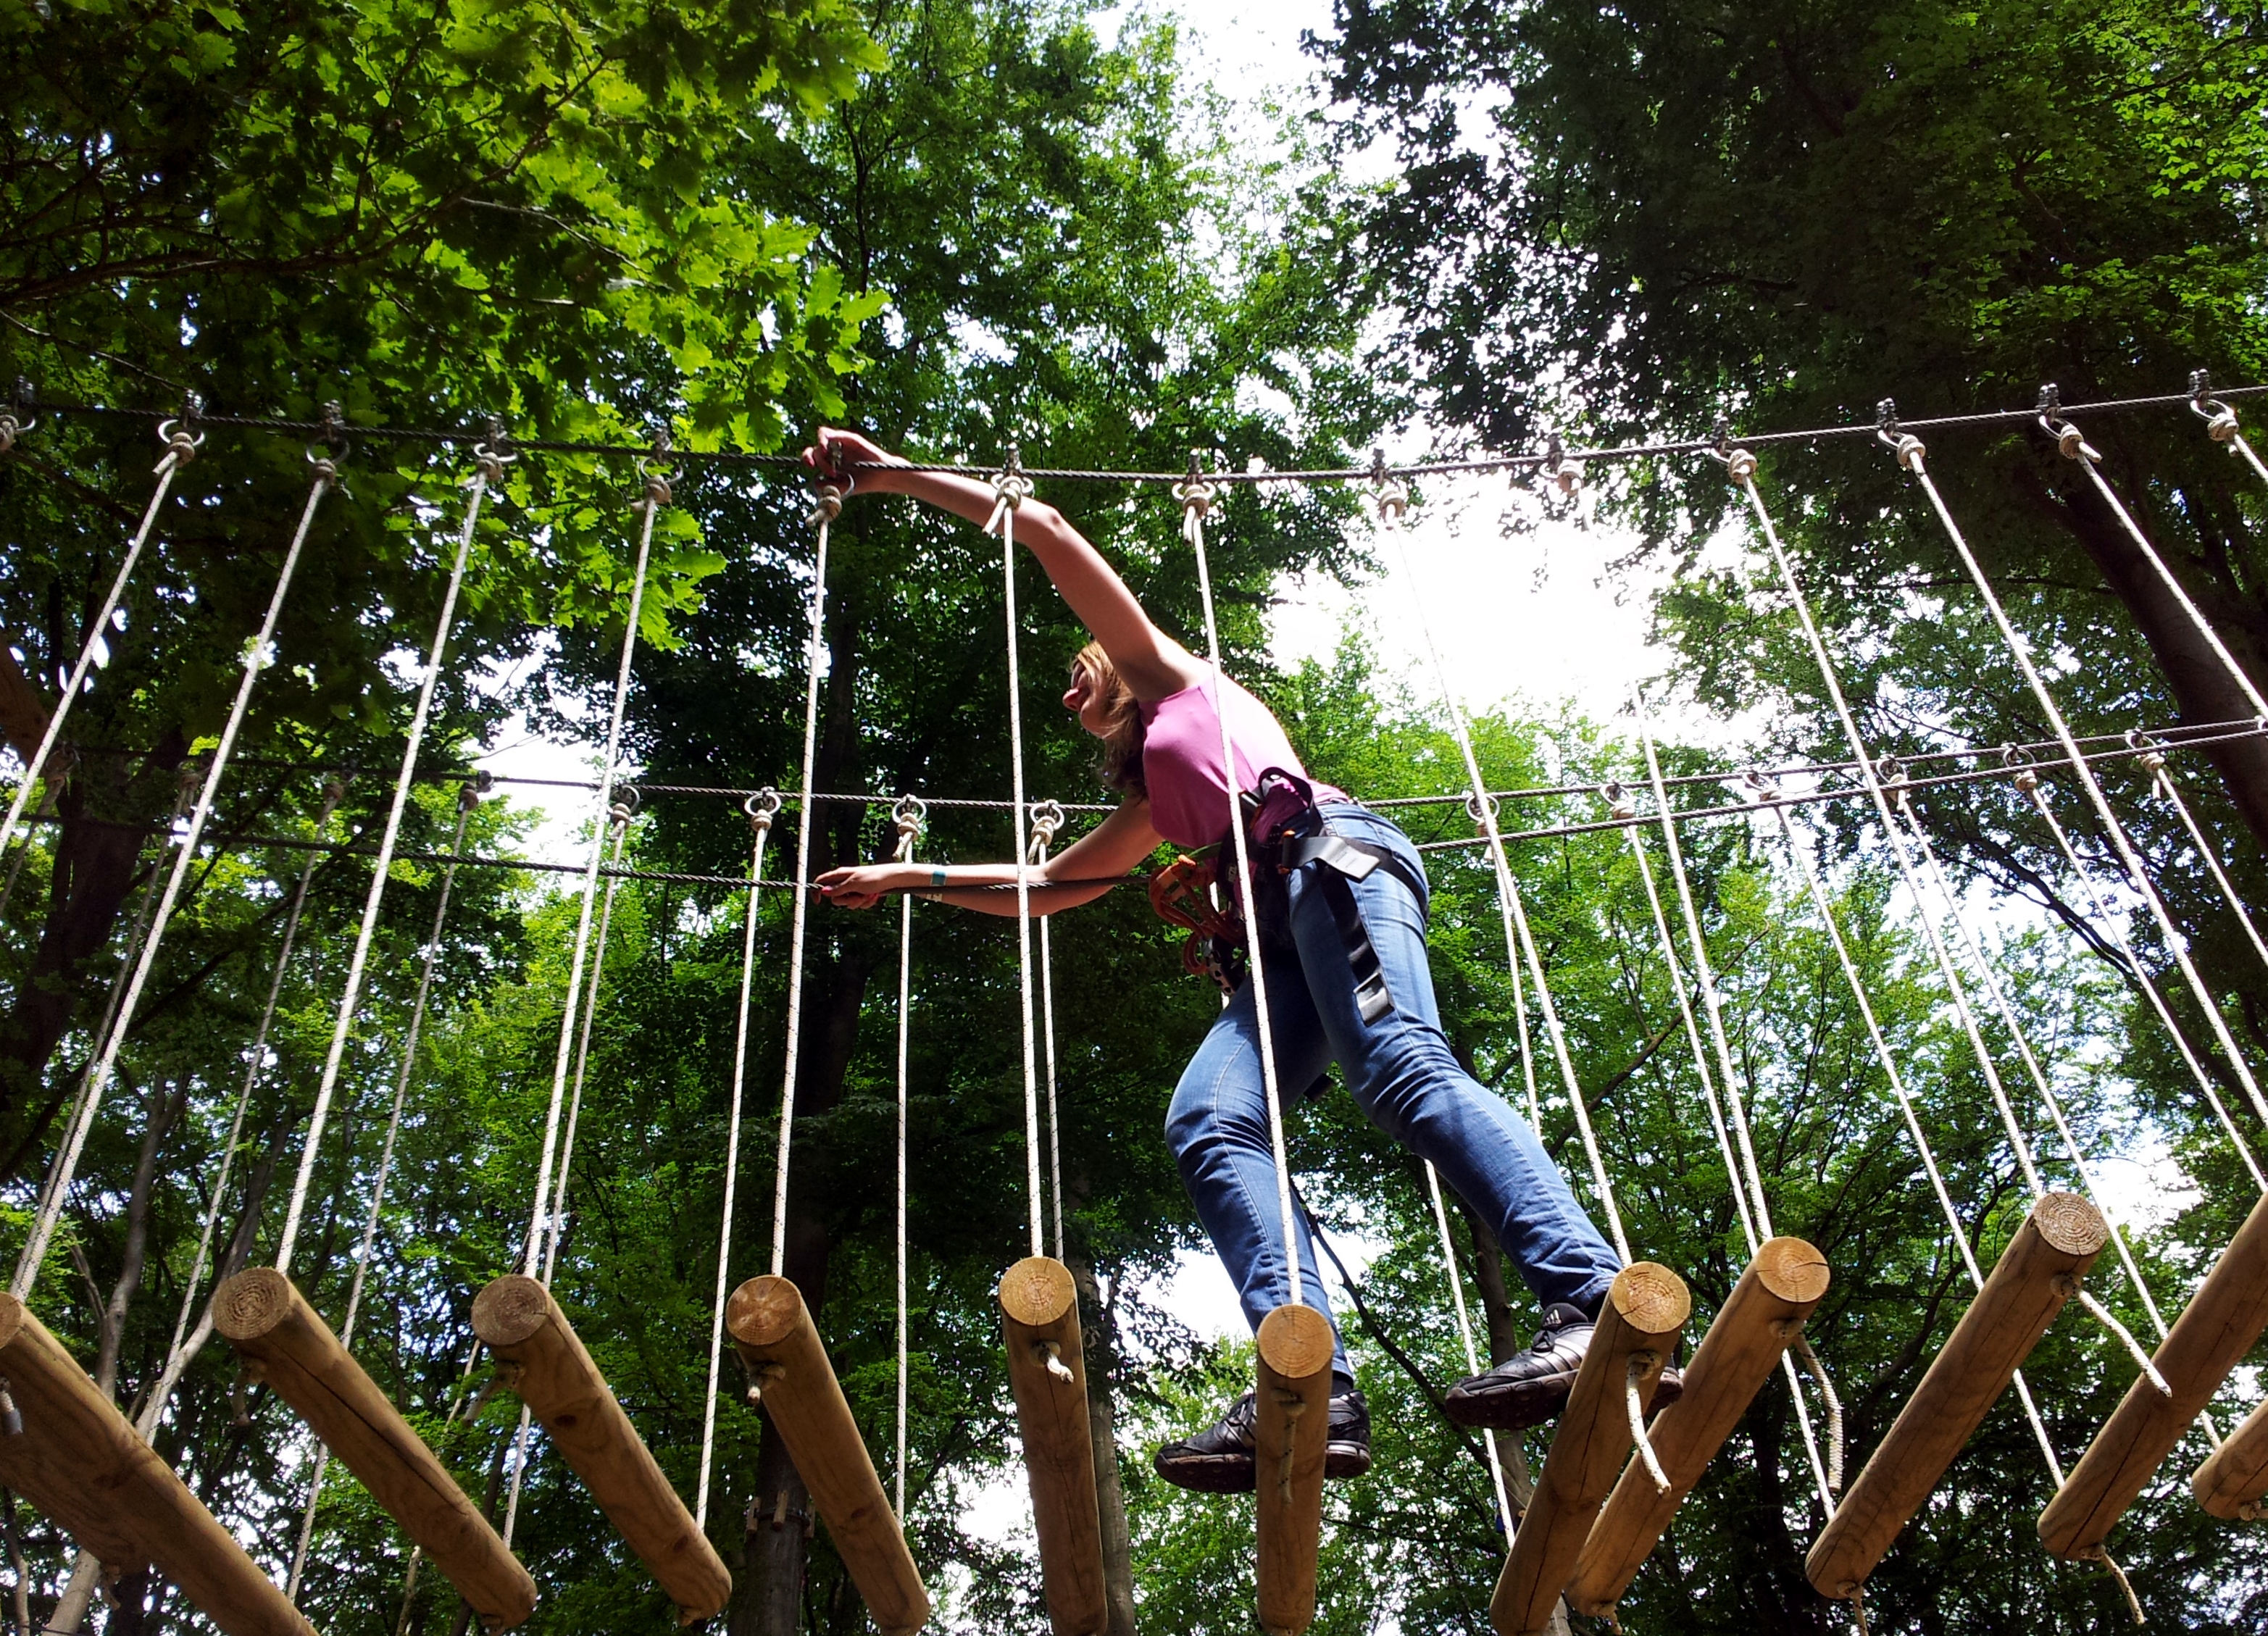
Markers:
point(2071, 1224)
point(1793, 1271)
point(12, 1319)
point(510, 1310)
point(1036, 1292)
point(252, 1303)
point(1297, 1342)
point(765, 1311)
point(1651, 1298)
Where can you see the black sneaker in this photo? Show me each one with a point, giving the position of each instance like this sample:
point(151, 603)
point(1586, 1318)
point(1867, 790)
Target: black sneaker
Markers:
point(1220, 1460)
point(1531, 1387)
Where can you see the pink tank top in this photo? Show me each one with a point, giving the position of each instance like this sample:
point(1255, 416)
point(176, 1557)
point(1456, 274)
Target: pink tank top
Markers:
point(1181, 761)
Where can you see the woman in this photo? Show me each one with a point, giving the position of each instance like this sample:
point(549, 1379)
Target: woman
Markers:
point(1342, 949)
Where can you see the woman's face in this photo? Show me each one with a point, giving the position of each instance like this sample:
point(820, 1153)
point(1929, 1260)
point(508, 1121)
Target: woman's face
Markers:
point(1084, 699)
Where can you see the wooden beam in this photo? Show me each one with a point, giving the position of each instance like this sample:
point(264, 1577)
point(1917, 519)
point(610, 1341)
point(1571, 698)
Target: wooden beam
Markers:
point(2215, 1330)
point(1764, 1314)
point(267, 1320)
point(1292, 1426)
point(518, 1321)
point(1645, 1310)
point(1047, 1370)
point(774, 1336)
point(79, 1460)
point(2233, 1481)
point(2056, 1244)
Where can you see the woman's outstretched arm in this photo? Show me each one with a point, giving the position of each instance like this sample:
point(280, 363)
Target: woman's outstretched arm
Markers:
point(1089, 867)
point(1151, 662)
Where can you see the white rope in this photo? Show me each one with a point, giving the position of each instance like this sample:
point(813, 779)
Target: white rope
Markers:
point(1012, 487)
point(1465, 1334)
point(1973, 945)
point(657, 496)
point(1196, 497)
point(1520, 943)
point(1047, 818)
point(2075, 447)
point(1826, 913)
point(557, 1228)
point(181, 449)
point(1823, 1472)
point(490, 469)
point(1911, 455)
point(909, 814)
point(184, 1347)
point(760, 810)
point(1711, 1003)
point(257, 655)
point(829, 506)
point(467, 801)
point(2115, 925)
point(2156, 764)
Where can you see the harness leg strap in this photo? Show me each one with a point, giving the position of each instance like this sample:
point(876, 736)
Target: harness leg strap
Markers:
point(1346, 861)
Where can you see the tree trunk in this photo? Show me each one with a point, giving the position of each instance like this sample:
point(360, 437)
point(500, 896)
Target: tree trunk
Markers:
point(108, 813)
point(1099, 1326)
point(769, 1600)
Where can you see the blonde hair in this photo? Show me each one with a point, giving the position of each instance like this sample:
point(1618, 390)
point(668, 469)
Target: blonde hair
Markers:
point(1123, 737)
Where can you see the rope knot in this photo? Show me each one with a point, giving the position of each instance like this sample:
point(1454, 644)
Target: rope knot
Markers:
point(9, 430)
point(1012, 488)
point(1393, 501)
point(827, 504)
point(657, 489)
point(1619, 804)
point(2070, 442)
point(181, 443)
point(326, 469)
point(1047, 818)
point(761, 808)
point(1739, 465)
point(1196, 494)
point(491, 463)
point(475, 788)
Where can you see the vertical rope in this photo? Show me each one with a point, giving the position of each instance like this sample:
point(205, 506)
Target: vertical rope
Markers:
point(1710, 1001)
point(257, 655)
point(657, 496)
point(490, 470)
point(1047, 818)
point(466, 801)
point(1012, 488)
point(2029, 781)
point(1465, 1334)
point(1393, 506)
point(829, 507)
point(909, 814)
point(556, 1229)
point(181, 449)
point(1826, 913)
point(2155, 763)
point(760, 809)
point(1197, 497)
point(1911, 455)
point(182, 1347)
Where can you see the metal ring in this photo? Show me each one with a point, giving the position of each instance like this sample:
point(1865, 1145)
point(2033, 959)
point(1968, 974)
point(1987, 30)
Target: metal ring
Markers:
point(1482, 809)
point(765, 801)
point(909, 811)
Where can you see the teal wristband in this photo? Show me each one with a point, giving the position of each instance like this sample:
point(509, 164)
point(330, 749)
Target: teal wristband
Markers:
point(937, 877)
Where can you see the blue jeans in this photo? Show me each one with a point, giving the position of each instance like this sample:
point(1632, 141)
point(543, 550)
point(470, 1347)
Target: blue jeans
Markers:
point(1402, 1074)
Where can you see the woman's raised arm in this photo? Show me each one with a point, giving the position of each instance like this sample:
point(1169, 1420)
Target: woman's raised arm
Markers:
point(1152, 663)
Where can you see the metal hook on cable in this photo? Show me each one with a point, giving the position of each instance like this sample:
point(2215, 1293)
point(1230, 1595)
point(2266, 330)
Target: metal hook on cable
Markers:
point(2220, 419)
point(473, 789)
point(1908, 448)
point(494, 452)
point(1482, 808)
point(2028, 775)
point(658, 472)
point(1620, 807)
point(16, 418)
point(1196, 494)
point(2069, 441)
point(1393, 493)
point(1739, 465)
point(761, 808)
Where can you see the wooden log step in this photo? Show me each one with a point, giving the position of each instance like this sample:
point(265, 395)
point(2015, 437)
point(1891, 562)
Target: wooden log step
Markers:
point(518, 1321)
point(1047, 1371)
point(1645, 1310)
point(1764, 1314)
point(79, 1460)
point(2214, 1332)
point(2233, 1480)
point(1291, 1424)
point(2057, 1242)
point(267, 1320)
point(773, 1332)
